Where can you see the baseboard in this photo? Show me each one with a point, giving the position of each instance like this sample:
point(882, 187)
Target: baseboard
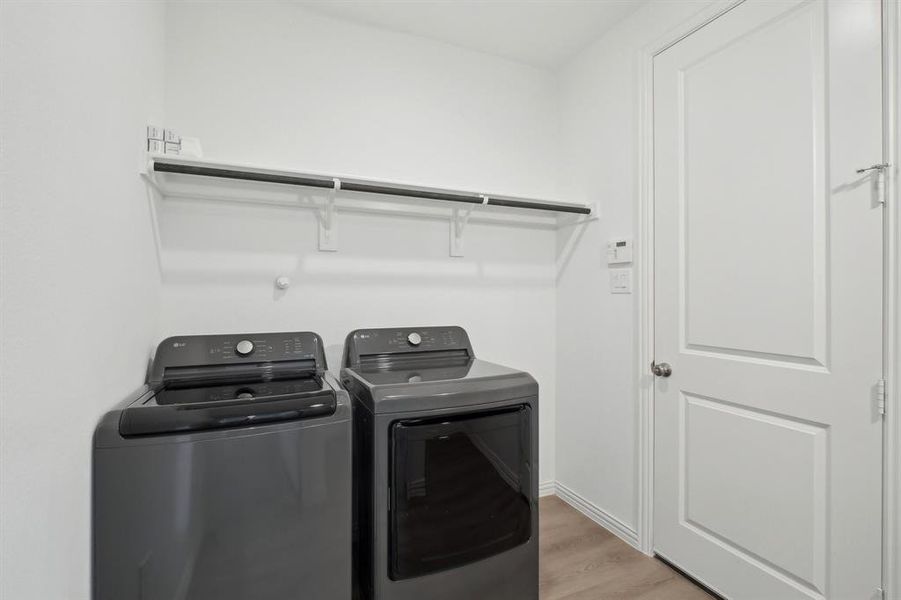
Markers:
point(547, 488)
point(597, 514)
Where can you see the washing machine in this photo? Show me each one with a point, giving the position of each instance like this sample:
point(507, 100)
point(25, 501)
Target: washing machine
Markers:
point(227, 477)
point(445, 469)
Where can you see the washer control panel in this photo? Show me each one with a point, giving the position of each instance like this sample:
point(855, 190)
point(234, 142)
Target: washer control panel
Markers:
point(211, 350)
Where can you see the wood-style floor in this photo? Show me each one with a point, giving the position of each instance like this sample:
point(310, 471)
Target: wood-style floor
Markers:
point(582, 561)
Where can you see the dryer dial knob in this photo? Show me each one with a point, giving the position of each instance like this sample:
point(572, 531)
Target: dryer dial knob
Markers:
point(244, 348)
point(414, 339)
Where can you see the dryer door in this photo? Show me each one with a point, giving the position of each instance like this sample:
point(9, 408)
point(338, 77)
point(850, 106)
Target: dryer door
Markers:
point(459, 491)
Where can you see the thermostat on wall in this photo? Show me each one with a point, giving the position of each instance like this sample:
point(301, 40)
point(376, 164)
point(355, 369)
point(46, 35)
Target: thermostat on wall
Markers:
point(619, 251)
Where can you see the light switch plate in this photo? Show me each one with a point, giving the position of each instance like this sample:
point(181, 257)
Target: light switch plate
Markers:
point(620, 281)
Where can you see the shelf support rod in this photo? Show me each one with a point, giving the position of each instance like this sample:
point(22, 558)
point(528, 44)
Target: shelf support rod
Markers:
point(360, 185)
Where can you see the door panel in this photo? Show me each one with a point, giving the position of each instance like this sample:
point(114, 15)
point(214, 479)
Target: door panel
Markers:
point(782, 467)
point(731, 192)
point(768, 301)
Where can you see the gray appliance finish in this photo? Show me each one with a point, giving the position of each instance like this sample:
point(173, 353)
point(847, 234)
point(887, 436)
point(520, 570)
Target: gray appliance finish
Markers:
point(228, 477)
point(445, 469)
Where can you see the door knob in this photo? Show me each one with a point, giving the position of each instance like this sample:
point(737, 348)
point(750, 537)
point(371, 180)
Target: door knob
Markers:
point(661, 370)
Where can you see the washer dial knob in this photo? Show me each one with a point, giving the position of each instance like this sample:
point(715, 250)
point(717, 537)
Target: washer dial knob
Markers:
point(244, 348)
point(414, 339)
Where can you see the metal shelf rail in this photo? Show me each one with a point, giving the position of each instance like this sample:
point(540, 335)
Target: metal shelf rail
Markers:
point(463, 202)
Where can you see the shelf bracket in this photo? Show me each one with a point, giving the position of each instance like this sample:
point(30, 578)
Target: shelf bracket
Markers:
point(328, 222)
point(153, 193)
point(458, 222)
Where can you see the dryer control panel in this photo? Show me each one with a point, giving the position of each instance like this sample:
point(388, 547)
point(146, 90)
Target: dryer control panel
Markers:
point(404, 340)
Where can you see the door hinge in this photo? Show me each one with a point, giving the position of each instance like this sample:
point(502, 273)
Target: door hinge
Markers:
point(880, 396)
point(879, 594)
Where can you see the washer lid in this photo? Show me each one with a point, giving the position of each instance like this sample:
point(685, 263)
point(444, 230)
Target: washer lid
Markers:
point(182, 410)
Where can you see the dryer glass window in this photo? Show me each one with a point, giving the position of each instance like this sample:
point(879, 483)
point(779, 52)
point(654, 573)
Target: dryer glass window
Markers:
point(460, 490)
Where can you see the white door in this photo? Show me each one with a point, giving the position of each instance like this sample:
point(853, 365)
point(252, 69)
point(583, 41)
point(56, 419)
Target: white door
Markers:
point(768, 301)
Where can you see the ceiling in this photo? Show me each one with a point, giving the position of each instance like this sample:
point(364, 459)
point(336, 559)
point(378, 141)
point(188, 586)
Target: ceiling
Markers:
point(544, 33)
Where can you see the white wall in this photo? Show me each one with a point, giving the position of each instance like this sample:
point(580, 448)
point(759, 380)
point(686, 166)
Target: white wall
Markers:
point(597, 370)
point(79, 289)
point(272, 84)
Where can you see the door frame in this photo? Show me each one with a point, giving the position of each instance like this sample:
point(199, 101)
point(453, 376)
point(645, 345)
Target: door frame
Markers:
point(644, 263)
point(891, 48)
